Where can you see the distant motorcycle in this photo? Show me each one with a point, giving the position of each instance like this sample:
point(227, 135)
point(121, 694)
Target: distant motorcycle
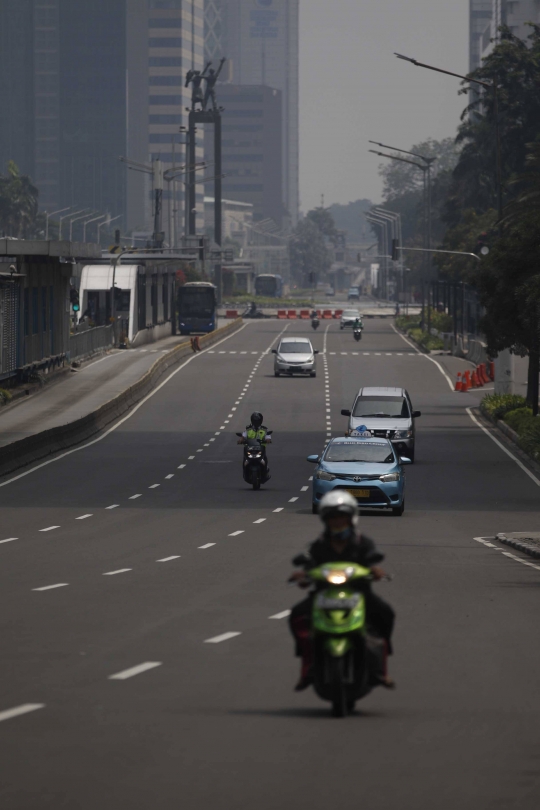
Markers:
point(315, 323)
point(357, 334)
point(252, 311)
point(255, 465)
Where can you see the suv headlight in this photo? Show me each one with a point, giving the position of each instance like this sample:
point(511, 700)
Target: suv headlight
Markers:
point(387, 479)
point(324, 476)
point(403, 434)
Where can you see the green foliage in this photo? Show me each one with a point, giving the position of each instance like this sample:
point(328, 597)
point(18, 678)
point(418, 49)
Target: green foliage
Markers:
point(402, 178)
point(18, 203)
point(464, 237)
point(439, 321)
point(425, 340)
point(519, 418)
point(308, 250)
point(529, 438)
point(324, 222)
point(5, 396)
point(497, 405)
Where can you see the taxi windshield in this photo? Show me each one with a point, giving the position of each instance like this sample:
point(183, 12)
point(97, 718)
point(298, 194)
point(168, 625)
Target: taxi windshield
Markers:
point(370, 452)
point(290, 347)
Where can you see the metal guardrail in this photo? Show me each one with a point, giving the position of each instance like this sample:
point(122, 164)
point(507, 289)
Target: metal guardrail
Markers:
point(91, 340)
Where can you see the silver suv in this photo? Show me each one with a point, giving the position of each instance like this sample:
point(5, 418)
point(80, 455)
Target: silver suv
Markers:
point(295, 355)
point(388, 413)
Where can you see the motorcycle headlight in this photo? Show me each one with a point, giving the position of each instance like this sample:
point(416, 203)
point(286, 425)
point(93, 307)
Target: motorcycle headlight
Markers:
point(403, 434)
point(324, 476)
point(338, 576)
point(387, 479)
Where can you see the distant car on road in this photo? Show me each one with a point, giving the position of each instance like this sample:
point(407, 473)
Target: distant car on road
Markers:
point(353, 294)
point(330, 291)
point(348, 318)
point(387, 413)
point(369, 468)
point(295, 355)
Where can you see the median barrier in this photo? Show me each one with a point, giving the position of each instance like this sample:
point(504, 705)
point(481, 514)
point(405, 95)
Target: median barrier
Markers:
point(338, 313)
point(231, 313)
point(327, 314)
point(304, 314)
point(291, 314)
point(282, 315)
point(40, 445)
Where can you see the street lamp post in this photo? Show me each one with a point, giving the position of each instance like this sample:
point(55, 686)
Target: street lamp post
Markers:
point(426, 169)
point(383, 224)
point(107, 222)
point(76, 219)
point(395, 219)
point(52, 214)
point(89, 221)
point(66, 216)
point(491, 86)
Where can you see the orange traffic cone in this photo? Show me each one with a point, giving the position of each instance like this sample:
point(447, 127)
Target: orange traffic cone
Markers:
point(484, 373)
point(458, 382)
point(466, 385)
point(474, 379)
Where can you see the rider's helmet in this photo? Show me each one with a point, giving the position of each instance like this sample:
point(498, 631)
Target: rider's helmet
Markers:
point(256, 420)
point(338, 502)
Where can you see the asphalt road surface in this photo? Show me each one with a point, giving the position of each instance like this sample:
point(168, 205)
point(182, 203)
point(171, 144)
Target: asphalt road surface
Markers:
point(146, 661)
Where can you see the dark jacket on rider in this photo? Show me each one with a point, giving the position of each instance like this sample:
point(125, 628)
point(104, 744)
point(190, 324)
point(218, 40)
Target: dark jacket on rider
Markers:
point(360, 549)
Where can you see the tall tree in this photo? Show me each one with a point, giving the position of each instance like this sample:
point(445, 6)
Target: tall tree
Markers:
point(18, 203)
point(308, 251)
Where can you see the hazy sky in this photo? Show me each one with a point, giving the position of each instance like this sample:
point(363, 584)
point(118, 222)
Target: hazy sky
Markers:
point(353, 89)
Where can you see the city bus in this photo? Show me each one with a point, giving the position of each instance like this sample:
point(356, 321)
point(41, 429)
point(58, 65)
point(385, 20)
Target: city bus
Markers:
point(269, 286)
point(196, 307)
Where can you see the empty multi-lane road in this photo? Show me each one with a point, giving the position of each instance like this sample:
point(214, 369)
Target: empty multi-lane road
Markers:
point(146, 661)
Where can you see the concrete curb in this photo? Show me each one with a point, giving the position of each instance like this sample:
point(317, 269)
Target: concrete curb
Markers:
point(33, 448)
point(531, 549)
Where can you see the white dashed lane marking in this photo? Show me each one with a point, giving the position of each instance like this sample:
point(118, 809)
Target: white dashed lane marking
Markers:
point(154, 486)
point(279, 510)
point(292, 500)
point(169, 559)
point(49, 528)
point(208, 545)
point(113, 506)
point(223, 637)
point(304, 489)
point(182, 467)
point(17, 711)
point(261, 520)
point(52, 587)
point(138, 670)
point(134, 497)
point(8, 540)
point(168, 477)
point(235, 534)
point(120, 571)
point(83, 517)
point(282, 615)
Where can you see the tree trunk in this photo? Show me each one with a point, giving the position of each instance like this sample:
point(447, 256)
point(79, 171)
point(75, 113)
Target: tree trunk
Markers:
point(532, 379)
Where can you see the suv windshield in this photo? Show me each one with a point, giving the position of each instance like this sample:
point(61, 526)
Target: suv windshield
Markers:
point(375, 453)
point(351, 313)
point(383, 407)
point(294, 348)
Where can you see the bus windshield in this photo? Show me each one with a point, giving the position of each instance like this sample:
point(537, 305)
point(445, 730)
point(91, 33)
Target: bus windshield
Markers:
point(196, 302)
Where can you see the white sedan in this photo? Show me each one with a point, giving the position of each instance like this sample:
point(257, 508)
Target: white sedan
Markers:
point(348, 318)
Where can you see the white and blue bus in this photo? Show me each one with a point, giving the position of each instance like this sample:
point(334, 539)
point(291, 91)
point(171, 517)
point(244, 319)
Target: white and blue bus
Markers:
point(196, 307)
point(269, 286)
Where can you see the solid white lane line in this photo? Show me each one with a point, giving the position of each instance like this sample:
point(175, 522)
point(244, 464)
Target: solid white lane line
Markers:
point(223, 637)
point(25, 708)
point(417, 351)
point(292, 500)
point(282, 615)
point(130, 673)
point(8, 540)
point(279, 510)
point(503, 448)
point(235, 534)
point(168, 477)
point(304, 489)
point(120, 571)
point(83, 517)
point(520, 560)
point(51, 587)
point(208, 545)
point(260, 520)
point(134, 497)
point(182, 467)
point(49, 528)
point(113, 506)
point(168, 559)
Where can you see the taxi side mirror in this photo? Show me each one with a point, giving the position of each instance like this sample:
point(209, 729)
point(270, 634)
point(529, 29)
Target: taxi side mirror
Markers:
point(345, 412)
point(313, 459)
point(274, 351)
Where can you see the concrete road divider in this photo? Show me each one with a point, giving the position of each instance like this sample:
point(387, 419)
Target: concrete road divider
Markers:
point(40, 445)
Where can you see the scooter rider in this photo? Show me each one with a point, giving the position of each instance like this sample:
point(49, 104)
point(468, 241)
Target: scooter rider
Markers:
point(358, 324)
point(256, 430)
point(340, 541)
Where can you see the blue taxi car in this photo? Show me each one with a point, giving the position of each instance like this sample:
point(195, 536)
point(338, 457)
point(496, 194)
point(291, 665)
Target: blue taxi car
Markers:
point(365, 466)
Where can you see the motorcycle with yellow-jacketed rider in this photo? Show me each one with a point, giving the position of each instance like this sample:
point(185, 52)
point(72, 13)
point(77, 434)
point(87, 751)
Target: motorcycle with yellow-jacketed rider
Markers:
point(255, 438)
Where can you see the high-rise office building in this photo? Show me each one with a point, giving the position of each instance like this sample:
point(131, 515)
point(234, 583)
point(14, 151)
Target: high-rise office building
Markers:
point(83, 83)
point(480, 14)
point(252, 157)
point(486, 17)
point(260, 40)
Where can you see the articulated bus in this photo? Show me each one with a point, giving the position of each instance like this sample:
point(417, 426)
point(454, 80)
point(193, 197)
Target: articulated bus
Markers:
point(196, 307)
point(269, 286)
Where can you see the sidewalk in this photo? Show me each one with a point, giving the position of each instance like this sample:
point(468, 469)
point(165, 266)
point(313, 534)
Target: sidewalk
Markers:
point(81, 392)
